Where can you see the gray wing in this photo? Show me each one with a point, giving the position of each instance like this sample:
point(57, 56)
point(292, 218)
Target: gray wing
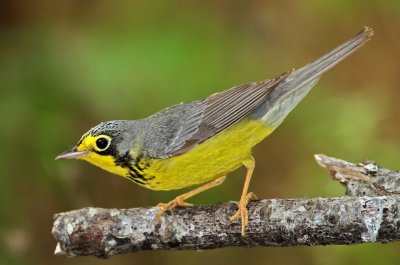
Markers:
point(184, 126)
point(176, 130)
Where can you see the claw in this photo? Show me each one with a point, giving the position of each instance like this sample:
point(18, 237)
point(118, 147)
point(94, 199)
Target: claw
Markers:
point(178, 201)
point(243, 212)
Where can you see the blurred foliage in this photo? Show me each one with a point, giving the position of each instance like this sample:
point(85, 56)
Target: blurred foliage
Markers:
point(67, 65)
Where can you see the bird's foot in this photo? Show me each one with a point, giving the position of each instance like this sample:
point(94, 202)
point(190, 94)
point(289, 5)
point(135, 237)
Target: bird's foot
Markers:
point(178, 201)
point(243, 212)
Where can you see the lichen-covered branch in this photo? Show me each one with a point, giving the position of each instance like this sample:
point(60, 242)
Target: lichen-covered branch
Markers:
point(276, 222)
point(362, 179)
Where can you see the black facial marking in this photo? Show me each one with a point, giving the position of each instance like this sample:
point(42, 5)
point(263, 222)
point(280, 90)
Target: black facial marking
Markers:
point(136, 173)
point(126, 161)
point(139, 166)
point(134, 178)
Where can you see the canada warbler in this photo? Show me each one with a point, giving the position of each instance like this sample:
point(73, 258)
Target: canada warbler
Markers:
point(202, 141)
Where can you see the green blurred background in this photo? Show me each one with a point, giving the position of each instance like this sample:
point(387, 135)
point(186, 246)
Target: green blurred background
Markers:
point(67, 65)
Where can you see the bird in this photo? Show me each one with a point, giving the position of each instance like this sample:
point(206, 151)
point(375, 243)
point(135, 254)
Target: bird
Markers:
point(200, 142)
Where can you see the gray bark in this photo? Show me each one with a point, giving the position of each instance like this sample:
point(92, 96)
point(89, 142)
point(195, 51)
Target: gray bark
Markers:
point(370, 214)
point(362, 179)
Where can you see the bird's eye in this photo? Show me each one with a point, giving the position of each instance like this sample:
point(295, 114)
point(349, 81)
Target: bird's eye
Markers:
point(102, 143)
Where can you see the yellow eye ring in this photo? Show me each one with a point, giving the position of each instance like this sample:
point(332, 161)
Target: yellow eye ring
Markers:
point(102, 143)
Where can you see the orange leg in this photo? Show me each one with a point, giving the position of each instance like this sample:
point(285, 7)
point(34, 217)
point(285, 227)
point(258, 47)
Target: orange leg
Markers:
point(246, 196)
point(180, 200)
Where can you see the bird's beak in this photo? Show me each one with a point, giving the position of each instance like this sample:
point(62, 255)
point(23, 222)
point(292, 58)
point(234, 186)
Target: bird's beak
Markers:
point(71, 154)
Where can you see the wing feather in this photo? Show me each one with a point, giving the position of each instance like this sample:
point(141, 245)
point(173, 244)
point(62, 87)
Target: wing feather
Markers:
point(210, 116)
point(196, 122)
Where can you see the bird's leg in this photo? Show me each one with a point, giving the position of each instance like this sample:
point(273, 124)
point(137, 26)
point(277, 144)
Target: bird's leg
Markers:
point(246, 196)
point(180, 200)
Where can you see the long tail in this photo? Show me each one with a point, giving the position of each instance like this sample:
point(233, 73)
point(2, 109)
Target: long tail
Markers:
point(284, 97)
point(313, 70)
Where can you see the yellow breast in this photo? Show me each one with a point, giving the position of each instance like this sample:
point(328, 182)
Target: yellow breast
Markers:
point(209, 160)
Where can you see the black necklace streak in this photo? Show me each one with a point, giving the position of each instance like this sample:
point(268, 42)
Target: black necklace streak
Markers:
point(126, 161)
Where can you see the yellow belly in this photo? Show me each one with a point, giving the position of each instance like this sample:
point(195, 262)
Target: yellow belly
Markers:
point(209, 160)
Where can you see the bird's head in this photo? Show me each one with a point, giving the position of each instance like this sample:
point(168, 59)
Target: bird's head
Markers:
point(103, 146)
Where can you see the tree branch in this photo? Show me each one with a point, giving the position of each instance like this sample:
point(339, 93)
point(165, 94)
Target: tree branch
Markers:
point(373, 217)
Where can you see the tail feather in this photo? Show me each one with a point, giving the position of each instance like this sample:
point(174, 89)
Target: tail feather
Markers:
point(329, 60)
point(285, 96)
